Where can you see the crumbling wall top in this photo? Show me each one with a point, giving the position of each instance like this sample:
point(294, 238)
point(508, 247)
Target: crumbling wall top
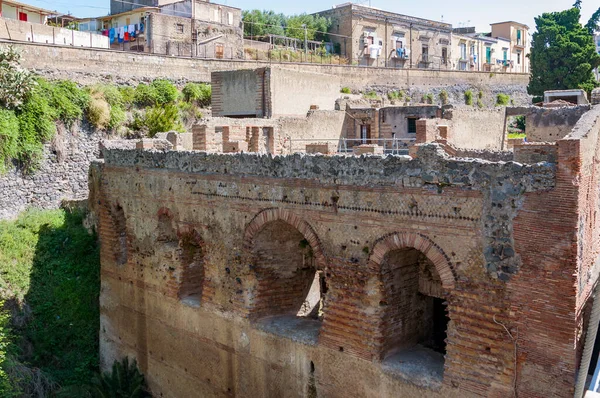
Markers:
point(432, 167)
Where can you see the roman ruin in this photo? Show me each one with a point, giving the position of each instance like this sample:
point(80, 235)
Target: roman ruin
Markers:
point(238, 269)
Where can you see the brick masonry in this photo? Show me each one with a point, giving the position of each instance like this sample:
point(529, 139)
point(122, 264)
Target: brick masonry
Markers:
point(477, 233)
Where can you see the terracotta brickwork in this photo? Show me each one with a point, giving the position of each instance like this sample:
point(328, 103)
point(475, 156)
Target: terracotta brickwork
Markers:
point(248, 275)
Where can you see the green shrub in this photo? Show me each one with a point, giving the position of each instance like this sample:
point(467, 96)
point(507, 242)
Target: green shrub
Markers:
point(125, 380)
point(9, 138)
point(468, 97)
point(166, 92)
point(145, 95)
point(117, 117)
point(160, 119)
point(49, 261)
point(443, 97)
point(480, 94)
point(128, 95)
point(68, 101)
point(37, 125)
point(138, 122)
point(520, 122)
point(112, 94)
point(346, 90)
point(98, 112)
point(480, 103)
point(429, 98)
point(200, 94)
point(502, 99)
point(16, 83)
point(395, 95)
point(371, 95)
point(189, 112)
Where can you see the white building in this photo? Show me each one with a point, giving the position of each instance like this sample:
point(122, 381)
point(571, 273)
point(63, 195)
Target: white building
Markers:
point(10, 9)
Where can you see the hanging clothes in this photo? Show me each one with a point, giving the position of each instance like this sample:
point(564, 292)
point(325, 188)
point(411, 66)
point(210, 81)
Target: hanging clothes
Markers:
point(141, 27)
point(121, 34)
point(126, 38)
point(111, 35)
point(131, 31)
point(105, 32)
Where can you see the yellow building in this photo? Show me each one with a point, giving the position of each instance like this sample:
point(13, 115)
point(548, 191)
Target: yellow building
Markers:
point(518, 36)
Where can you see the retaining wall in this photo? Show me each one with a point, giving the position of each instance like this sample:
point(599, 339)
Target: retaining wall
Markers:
point(91, 64)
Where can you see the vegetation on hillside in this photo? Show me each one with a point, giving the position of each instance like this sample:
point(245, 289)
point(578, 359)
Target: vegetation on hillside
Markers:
point(50, 283)
point(563, 53)
point(32, 107)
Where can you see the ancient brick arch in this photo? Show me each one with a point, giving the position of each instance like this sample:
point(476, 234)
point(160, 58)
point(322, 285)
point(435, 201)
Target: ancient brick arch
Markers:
point(276, 214)
point(402, 240)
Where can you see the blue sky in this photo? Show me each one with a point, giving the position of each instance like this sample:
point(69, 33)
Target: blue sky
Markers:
point(457, 12)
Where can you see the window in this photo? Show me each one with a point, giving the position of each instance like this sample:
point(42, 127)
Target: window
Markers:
point(505, 54)
point(179, 28)
point(412, 125)
point(22, 16)
point(216, 16)
point(518, 57)
point(463, 51)
point(219, 51)
point(425, 52)
point(230, 18)
point(444, 55)
point(519, 38)
point(488, 55)
point(368, 43)
point(127, 21)
point(365, 133)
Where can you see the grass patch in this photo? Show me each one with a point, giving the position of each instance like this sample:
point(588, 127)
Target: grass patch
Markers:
point(516, 135)
point(50, 278)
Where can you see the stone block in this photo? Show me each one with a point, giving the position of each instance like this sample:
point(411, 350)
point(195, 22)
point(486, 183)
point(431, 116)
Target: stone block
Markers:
point(235, 146)
point(368, 149)
point(325, 148)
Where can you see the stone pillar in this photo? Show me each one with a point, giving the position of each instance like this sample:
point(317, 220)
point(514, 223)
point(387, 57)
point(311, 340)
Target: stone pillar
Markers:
point(443, 131)
point(254, 139)
point(199, 137)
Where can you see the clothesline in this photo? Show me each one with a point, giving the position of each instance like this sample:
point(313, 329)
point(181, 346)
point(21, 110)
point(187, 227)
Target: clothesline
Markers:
point(124, 33)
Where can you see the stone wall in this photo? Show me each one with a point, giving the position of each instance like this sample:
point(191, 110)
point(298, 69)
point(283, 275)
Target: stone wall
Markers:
point(552, 124)
point(504, 267)
point(477, 128)
point(272, 92)
point(63, 174)
point(91, 65)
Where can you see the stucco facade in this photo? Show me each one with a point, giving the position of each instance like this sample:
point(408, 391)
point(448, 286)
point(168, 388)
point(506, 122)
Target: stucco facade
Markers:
point(372, 37)
point(518, 36)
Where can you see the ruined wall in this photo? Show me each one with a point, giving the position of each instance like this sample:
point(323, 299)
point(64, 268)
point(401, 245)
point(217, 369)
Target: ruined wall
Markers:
point(294, 92)
point(63, 174)
point(317, 126)
point(92, 65)
point(239, 93)
point(394, 120)
point(552, 124)
point(505, 267)
point(477, 128)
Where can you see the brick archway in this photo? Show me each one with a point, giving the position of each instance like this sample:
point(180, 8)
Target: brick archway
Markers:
point(276, 214)
point(403, 240)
